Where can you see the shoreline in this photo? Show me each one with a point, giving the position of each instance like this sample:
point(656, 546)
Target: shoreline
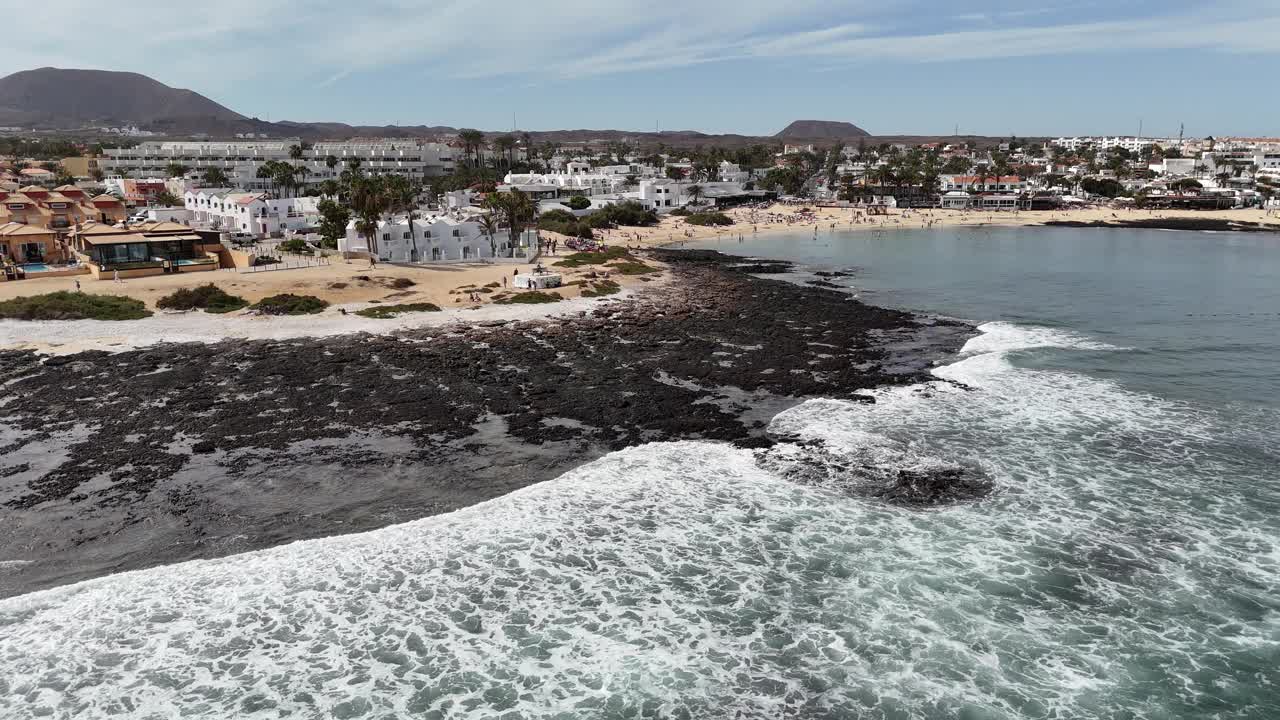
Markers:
point(672, 231)
point(195, 451)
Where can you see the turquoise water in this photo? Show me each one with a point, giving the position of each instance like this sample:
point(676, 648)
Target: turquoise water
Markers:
point(1199, 312)
point(1127, 566)
point(36, 267)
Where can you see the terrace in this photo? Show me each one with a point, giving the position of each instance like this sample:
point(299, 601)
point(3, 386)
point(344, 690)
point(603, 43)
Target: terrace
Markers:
point(149, 249)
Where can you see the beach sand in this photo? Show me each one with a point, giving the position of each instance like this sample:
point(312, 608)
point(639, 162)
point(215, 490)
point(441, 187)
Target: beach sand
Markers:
point(779, 217)
point(341, 283)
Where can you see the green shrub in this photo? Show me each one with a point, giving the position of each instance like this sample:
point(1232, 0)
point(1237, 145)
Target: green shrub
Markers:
point(602, 288)
point(576, 228)
point(290, 304)
point(208, 297)
point(594, 258)
point(295, 245)
point(630, 213)
point(709, 218)
point(64, 305)
point(557, 215)
point(386, 312)
point(632, 268)
point(531, 297)
point(682, 212)
point(577, 202)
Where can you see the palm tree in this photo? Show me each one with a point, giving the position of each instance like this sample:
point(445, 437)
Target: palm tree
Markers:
point(695, 192)
point(505, 144)
point(369, 202)
point(267, 171)
point(174, 170)
point(516, 208)
point(215, 177)
point(472, 140)
point(402, 196)
point(489, 226)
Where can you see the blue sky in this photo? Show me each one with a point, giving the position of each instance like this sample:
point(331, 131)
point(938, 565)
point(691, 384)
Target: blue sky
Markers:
point(750, 66)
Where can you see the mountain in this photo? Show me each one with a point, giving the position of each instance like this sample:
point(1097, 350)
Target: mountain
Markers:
point(821, 130)
point(56, 98)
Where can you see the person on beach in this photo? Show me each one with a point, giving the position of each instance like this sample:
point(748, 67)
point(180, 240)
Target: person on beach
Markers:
point(115, 276)
point(77, 285)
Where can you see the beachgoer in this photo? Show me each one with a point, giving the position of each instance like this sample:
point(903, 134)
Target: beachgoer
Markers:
point(115, 275)
point(77, 286)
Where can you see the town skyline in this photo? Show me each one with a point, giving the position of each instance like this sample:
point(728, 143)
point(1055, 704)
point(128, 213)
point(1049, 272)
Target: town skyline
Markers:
point(746, 68)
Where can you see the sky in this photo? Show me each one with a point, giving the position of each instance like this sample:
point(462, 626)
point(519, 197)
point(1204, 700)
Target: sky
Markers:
point(999, 67)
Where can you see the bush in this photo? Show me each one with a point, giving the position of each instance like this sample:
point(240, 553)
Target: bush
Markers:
point(577, 228)
point(602, 288)
point(632, 268)
point(290, 304)
point(594, 258)
point(577, 202)
point(709, 218)
point(209, 298)
point(63, 305)
point(532, 297)
point(557, 215)
point(386, 312)
point(295, 245)
point(629, 213)
point(682, 212)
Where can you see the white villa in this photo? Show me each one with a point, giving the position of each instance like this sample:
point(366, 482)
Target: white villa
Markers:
point(254, 213)
point(436, 238)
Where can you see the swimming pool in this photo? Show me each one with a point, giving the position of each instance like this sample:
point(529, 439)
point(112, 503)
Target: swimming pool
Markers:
point(35, 267)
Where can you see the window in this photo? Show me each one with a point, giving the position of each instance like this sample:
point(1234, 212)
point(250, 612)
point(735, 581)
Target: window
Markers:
point(386, 237)
point(406, 236)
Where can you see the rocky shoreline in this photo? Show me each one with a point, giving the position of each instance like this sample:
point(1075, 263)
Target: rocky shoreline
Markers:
point(119, 461)
point(1172, 223)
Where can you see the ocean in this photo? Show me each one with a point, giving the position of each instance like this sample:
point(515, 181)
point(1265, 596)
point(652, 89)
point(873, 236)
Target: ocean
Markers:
point(1122, 395)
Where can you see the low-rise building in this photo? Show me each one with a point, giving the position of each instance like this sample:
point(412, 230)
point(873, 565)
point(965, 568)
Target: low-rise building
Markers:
point(979, 183)
point(436, 238)
point(251, 213)
point(20, 243)
point(151, 248)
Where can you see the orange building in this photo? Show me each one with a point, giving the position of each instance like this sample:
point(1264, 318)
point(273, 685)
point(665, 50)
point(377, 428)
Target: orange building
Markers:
point(22, 244)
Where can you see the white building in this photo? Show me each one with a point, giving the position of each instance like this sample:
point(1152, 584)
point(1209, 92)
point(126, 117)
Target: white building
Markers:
point(241, 160)
point(585, 183)
point(732, 172)
point(436, 238)
point(661, 194)
point(965, 183)
point(253, 213)
point(1132, 144)
point(1174, 166)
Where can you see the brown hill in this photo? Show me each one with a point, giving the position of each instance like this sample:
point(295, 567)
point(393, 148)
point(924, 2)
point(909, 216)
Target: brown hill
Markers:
point(57, 98)
point(821, 130)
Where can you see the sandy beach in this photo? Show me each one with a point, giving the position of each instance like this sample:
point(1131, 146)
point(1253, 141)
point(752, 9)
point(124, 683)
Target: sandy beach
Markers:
point(342, 283)
point(779, 217)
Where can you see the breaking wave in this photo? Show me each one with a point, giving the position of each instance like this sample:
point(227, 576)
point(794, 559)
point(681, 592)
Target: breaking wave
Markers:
point(1126, 566)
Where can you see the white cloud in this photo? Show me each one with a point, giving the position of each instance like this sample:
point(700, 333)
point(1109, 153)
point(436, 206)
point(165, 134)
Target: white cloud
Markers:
point(325, 42)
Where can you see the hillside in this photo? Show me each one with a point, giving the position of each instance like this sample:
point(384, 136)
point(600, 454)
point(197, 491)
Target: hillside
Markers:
point(56, 98)
point(821, 130)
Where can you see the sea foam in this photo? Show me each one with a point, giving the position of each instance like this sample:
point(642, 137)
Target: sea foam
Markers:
point(1114, 573)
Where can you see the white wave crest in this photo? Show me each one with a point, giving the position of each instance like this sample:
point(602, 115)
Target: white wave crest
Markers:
point(1006, 337)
